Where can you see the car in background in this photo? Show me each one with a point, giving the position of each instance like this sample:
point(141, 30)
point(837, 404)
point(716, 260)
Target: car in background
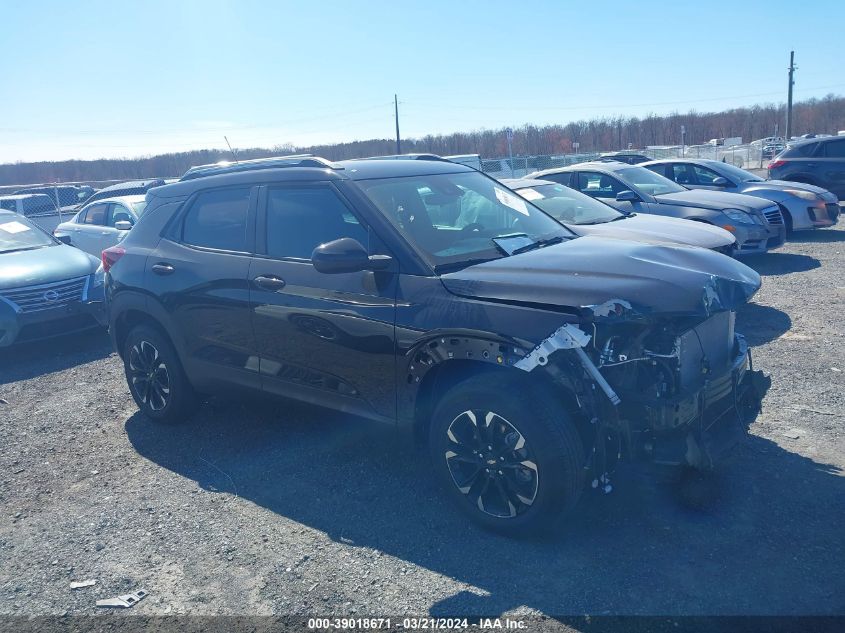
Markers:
point(38, 207)
point(423, 294)
point(631, 158)
point(756, 224)
point(818, 161)
point(585, 215)
point(102, 223)
point(47, 288)
point(130, 188)
point(67, 196)
point(802, 206)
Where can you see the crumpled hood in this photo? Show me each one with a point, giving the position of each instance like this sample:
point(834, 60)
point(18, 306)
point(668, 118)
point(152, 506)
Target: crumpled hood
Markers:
point(44, 265)
point(656, 228)
point(604, 278)
point(714, 200)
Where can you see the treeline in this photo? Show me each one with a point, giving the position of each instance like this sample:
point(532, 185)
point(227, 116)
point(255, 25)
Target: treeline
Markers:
point(826, 115)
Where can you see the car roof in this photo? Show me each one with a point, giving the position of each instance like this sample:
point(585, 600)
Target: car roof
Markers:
point(140, 197)
point(22, 196)
point(695, 161)
point(522, 183)
point(392, 168)
point(343, 170)
point(132, 184)
point(610, 166)
point(228, 167)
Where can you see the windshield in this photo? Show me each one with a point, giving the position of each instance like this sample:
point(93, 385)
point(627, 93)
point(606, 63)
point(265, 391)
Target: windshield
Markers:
point(735, 173)
point(643, 180)
point(19, 234)
point(454, 218)
point(569, 206)
point(138, 207)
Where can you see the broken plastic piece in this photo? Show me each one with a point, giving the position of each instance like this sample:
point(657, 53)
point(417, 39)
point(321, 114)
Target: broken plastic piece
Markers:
point(566, 336)
point(125, 601)
point(80, 584)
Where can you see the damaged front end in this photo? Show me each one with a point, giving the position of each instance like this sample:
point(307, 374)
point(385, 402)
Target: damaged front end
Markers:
point(669, 390)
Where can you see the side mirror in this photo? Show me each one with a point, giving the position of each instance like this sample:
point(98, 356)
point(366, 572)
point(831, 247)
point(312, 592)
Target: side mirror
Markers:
point(123, 225)
point(718, 181)
point(627, 196)
point(346, 255)
point(64, 239)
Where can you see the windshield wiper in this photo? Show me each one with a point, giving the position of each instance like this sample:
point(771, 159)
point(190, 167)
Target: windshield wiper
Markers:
point(538, 244)
point(623, 217)
point(22, 248)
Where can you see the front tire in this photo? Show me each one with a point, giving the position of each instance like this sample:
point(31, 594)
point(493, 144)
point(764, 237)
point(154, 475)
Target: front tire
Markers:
point(155, 377)
point(510, 459)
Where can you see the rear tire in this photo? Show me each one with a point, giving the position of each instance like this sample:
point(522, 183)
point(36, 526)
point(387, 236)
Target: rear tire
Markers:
point(155, 377)
point(510, 462)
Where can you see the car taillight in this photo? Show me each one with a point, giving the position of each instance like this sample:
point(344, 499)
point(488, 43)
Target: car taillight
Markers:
point(111, 256)
point(776, 163)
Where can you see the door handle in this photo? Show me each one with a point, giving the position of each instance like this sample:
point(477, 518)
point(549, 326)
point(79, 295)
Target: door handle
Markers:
point(162, 269)
point(269, 282)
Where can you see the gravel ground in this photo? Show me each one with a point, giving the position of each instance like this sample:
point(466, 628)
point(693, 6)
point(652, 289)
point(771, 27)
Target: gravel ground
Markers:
point(274, 508)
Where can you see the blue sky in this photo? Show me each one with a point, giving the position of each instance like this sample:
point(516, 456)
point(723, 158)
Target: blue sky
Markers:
point(88, 79)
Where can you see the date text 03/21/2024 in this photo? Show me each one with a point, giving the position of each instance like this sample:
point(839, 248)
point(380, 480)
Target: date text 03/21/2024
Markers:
point(364, 624)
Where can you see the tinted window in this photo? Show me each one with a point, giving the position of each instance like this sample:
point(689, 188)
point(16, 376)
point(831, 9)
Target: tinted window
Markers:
point(803, 150)
point(218, 219)
point(300, 219)
point(562, 178)
point(705, 176)
point(96, 214)
point(9, 205)
point(682, 174)
point(835, 149)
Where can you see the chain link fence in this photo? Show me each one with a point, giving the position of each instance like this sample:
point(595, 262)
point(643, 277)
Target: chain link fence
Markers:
point(50, 204)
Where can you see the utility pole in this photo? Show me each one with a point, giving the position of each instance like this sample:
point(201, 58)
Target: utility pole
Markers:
point(396, 110)
point(789, 96)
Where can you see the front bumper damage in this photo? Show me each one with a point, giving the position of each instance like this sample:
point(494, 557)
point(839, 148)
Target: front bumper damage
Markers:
point(696, 424)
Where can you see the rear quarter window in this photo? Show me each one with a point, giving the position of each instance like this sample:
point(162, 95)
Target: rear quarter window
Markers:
point(801, 151)
point(218, 219)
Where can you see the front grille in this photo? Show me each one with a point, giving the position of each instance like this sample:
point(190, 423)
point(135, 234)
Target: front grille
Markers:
point(773, 216)
point(46, 296)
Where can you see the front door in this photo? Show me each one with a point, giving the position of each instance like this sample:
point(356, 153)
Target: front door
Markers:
point(322, 338)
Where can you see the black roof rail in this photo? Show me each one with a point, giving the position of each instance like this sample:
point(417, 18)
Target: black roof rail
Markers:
point(406, 157)
point(229, 167)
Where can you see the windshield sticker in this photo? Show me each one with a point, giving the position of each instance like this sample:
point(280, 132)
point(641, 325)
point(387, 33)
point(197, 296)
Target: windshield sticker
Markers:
point(531, 194)
point(510, 200)
point(14, 227)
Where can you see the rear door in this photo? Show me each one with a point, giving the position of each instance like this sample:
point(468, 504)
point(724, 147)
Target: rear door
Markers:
point(89, 227)
point(833, 166)
point(327, 339)
point(198, 273)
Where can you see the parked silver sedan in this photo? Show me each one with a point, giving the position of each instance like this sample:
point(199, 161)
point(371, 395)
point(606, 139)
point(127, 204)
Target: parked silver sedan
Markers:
point(101, 224)
point(803, 206)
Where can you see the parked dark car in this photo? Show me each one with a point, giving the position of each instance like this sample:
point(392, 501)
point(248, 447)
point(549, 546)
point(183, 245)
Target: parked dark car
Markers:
point(47, 288)
point(68, 196)
point(629, 158)
point(818, 161)
point(756, 224)
point(802, 206)
point(131, 188)
point(426, 296)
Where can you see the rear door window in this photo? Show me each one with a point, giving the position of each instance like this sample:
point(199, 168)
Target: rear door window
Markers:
point(218, 219)
point(96, 215)
point(834, 149)
point(37, 204)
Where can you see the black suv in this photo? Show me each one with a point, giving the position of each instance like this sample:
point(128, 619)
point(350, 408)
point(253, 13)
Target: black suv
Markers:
point(818, 161)
point(427, 296)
